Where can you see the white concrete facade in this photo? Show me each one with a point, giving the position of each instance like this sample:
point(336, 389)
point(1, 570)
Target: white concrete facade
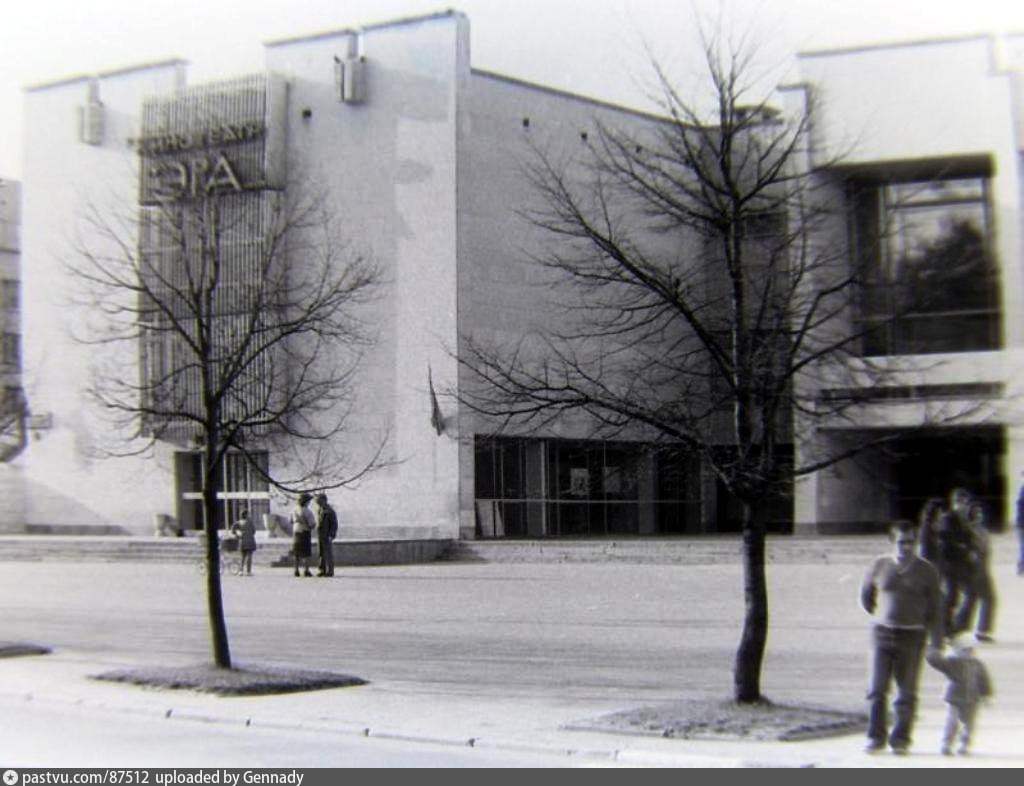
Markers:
point(389, 164)
point(425, 172)
point(12, 500)
point(10, 275)
point(949, 106)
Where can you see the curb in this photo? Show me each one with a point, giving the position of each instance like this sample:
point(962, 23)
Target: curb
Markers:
point(596, 753)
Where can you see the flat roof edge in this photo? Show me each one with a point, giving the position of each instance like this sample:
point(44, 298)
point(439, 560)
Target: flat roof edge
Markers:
point(114, 72)
point(408, 20)
point(936, 41)
point(956, 165)
point(567, 94)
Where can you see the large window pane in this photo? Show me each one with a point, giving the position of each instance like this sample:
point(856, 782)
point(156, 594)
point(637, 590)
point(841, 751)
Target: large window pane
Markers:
point(572, 476)
point(484, 478)
point(622, 518)
point(673, 474)
point(514, 519)
point(573, 519)
point(512, 481)
point(930, 283)
point(573, 488)
point(678, 518)
point(621, 470)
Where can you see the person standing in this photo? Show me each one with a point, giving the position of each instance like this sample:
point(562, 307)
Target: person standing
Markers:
point(902, 591)
point(303, 524)
point(245, 531)
point(326, 531)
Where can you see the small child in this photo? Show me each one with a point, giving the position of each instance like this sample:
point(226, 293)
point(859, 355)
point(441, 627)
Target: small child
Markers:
point(969, 685)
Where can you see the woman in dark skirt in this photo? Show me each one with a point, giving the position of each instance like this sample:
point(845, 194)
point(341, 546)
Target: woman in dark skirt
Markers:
point(303, 523)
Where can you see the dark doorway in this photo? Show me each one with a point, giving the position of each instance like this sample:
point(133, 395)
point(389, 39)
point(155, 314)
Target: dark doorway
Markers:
point(931, 462)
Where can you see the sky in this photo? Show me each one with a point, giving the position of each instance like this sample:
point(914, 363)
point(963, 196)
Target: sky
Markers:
point(593, 47)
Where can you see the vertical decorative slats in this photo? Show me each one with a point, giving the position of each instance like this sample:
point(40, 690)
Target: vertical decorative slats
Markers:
point(180, 240)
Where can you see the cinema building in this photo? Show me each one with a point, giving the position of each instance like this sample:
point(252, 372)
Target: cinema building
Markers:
point(12, 436)
point(421, 156)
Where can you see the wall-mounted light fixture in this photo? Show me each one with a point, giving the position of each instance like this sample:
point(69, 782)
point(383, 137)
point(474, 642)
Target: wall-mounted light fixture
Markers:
point(90, 117)
point(350, 72)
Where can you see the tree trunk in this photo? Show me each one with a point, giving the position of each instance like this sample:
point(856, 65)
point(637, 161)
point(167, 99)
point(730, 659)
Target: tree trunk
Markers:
point(750, 655)
point(214, 600)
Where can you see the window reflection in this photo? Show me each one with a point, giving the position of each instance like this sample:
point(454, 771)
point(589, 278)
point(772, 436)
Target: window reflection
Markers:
point(929, 279)
point(564, 488)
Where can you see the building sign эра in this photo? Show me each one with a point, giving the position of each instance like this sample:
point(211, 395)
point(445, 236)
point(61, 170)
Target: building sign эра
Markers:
point(174, 180)
point(170, 177)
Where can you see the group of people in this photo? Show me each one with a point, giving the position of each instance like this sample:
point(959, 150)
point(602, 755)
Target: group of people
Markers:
point(956, 542)
point(927, 591)
point(306, 522)
point(323, 522)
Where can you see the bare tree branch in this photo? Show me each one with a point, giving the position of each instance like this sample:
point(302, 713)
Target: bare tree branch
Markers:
point(710, 299)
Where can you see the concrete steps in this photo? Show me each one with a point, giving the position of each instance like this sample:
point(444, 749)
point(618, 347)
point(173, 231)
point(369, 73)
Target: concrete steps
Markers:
point(272, 552)
point(98, 548)
point(275, 552)
point(682, 551)
point(700, 550)
point(75, 529)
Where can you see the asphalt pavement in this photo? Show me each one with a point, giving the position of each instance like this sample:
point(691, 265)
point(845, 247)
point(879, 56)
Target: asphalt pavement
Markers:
point(468, 664)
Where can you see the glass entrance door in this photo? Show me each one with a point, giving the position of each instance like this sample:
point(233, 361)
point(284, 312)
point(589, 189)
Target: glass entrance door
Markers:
point(242, 488)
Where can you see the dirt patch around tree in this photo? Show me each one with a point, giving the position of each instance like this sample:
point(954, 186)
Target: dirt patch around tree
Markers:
point(14, 649)
point(238, 681)
point(727, 720)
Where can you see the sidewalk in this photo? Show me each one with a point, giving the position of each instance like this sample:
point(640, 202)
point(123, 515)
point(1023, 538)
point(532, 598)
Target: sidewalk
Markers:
point(476, 657)
point(418, 715)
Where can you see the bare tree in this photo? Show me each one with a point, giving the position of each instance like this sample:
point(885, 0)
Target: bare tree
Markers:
point(13, 413)
point(709, 297)
point(13, 407)
point(245, 310)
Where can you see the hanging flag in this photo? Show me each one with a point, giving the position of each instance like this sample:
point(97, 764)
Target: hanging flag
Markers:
point(436, 418)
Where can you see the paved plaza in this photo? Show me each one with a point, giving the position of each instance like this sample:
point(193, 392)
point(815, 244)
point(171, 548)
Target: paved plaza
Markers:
point(469, 664)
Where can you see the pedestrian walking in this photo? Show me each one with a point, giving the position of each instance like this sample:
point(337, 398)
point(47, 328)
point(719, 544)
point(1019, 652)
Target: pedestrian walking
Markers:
point(245, 530)
point(979, 593)
point(326, 531)
point(929, 521)
point(303, 524)
point(969, 685)
point(1019, 526)
point(958, 562)
point(902, 591)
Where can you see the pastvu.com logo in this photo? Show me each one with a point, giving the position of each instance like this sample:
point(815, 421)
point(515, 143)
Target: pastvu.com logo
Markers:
point(10, 777)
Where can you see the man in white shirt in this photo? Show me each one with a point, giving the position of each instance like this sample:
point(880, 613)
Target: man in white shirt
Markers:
point(902, 591)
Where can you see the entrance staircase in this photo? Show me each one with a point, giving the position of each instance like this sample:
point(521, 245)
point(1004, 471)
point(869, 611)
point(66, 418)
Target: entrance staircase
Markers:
point(275, 552)
point(699, 550)
point(272, 552)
